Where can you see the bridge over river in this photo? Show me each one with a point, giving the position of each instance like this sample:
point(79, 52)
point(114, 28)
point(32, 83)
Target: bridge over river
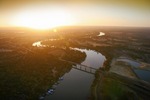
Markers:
point(81, 67)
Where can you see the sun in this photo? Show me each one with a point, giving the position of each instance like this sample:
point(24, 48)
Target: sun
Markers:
point(43, 19)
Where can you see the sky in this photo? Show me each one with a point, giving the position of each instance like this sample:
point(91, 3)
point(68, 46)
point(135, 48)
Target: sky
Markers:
point(75, 12)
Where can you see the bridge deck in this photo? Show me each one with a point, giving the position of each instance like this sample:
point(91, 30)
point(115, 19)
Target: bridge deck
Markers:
point(85, 69)
point(82, 67)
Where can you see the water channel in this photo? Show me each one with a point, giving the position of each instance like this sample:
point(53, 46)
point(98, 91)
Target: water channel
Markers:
point(75, 85)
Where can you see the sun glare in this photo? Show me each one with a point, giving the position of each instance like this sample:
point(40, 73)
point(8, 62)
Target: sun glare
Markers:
point(43, 20)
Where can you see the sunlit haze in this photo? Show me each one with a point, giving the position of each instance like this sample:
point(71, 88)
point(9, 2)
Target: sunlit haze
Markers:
point(43, 14)
point(42, 19)
point(74, 49)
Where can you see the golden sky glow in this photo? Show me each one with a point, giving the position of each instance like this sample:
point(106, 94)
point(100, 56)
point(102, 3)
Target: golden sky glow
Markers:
point(42, 18)
point(43, 14)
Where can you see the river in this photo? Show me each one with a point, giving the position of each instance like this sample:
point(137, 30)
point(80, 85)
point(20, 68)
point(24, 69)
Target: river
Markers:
point(75, 85)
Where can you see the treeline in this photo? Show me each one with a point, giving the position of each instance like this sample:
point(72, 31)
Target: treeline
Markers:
point(74, 56)
point(30, 76)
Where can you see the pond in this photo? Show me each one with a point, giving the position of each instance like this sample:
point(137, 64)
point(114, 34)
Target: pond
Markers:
point(131, 62)
point(143, 73)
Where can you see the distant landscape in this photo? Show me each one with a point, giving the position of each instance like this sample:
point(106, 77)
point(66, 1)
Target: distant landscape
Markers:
point(100, 62)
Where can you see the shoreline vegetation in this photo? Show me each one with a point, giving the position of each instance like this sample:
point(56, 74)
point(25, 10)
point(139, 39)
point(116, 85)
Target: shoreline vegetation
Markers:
point(27, 71)
point(113, 86)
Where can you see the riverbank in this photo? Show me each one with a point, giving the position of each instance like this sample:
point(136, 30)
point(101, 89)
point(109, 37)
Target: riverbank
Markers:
point(122, 68)
point(112, 86)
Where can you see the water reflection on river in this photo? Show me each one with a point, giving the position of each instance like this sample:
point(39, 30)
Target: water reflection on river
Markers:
point(101, 34)
point(76, 83)
point(75, 86)
point(93, 58)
